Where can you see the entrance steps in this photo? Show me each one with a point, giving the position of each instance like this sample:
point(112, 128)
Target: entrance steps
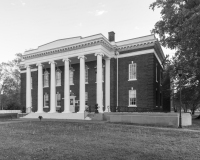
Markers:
point(94, 116)
point(56, 115)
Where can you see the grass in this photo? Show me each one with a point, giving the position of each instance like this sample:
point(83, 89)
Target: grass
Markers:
point(75, 140)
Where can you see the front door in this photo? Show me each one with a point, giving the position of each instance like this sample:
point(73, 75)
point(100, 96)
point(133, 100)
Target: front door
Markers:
point(72, 104)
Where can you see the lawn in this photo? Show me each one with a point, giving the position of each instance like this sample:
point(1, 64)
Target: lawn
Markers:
point(85, 140)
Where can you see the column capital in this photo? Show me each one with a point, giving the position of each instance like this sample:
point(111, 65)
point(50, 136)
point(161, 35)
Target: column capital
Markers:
point(27, 66)
point(79, 57)
point(39, 64)
point(66, 59)
point(52, 62)
point(99, 53)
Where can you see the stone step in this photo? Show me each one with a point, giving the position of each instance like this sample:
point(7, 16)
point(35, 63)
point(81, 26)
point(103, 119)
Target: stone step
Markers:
point(56, 115)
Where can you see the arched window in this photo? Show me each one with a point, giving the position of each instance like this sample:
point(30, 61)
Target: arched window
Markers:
point(132, 71)
point(58, 77)
point(46, 79)
point(86, 74)
point(71, 76)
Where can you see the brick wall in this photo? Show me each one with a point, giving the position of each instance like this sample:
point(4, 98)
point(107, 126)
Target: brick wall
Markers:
point(144, 83)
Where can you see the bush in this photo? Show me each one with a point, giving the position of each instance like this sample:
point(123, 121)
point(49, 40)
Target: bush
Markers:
point(13, 106)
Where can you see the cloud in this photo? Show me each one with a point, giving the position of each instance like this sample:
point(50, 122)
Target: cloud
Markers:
point(136, 27)
point(100, 12)
point(13, 4)
point(80, 24)
point(23, 3)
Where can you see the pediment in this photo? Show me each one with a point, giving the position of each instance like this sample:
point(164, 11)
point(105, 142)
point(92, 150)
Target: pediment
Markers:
point(63, 42)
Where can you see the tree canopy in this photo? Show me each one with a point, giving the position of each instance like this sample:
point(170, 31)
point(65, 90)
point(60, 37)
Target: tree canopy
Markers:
point(10, 83)
point(179, 29)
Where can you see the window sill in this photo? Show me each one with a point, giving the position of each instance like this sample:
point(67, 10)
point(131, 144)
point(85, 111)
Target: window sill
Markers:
point(46, 87)
point(46, 107)
point(58, 85)
point(132, 80)
point(58, 106)
point(86, 82)
point(132, 106)
point(71, 84)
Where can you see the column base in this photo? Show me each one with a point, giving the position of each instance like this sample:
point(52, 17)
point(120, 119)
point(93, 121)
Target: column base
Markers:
point(81, 112)
point(39, 112)
point(66, 112)
point(52, 112)
point(100, 109)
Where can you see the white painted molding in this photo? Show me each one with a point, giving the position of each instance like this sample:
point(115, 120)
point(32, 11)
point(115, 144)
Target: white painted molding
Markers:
point(82, 56)
point(66, 59)
point(39, 64)
point(99, 41)
point(52, 62)
point(99, 53)
point(32, 70)
point(140, 53)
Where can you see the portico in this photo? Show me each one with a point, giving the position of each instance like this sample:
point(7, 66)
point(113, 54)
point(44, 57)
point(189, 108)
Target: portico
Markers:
point(97, 53)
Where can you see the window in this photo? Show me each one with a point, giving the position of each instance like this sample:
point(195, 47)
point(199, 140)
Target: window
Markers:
point(156, 72)
point(58, 77)
point(156, 97)
point(71, 76)
point(132, 98)
point(46, 79)
point(160, 99)
point(58, 97)
point(132, 71)
point(86, 74)
point(46, 100)
point(160, 77)
point(86, 98)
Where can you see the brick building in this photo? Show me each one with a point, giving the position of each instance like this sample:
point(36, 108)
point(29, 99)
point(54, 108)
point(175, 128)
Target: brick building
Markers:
point(67, 74)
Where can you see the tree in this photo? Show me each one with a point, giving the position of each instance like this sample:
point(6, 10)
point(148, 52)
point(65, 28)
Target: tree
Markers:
point(10, 80)
point(179, 29)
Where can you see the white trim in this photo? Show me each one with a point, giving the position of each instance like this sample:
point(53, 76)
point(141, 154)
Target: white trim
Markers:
point(132, 106)
point(140, 53)
point(46, 107)
point(32, 70)
point(136, 53)
point(129, 71)
point(132, 80)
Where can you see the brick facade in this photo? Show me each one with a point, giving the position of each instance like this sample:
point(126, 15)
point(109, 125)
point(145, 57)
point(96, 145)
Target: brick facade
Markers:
point(145, 85)
point(144, 51)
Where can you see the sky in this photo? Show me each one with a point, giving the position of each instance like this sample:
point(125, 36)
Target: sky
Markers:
point(27, 24)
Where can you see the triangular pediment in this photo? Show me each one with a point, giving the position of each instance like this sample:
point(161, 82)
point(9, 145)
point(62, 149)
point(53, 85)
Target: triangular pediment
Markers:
point(64, 42)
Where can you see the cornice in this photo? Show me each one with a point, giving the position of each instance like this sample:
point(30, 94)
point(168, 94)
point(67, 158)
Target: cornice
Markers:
point(135, 45)
point(99, 41)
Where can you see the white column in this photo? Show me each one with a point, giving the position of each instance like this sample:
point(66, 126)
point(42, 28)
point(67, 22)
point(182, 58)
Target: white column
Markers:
point(99, 82)
point(28, 89)
point(53, 88)
point(40, 88)
point(82, 84)
point(107, 85)
point(66, 87)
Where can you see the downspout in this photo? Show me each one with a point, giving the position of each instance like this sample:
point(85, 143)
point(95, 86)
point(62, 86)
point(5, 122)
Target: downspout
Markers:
point(117, 78)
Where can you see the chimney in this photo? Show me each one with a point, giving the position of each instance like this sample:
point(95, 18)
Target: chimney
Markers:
point(111, 36)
